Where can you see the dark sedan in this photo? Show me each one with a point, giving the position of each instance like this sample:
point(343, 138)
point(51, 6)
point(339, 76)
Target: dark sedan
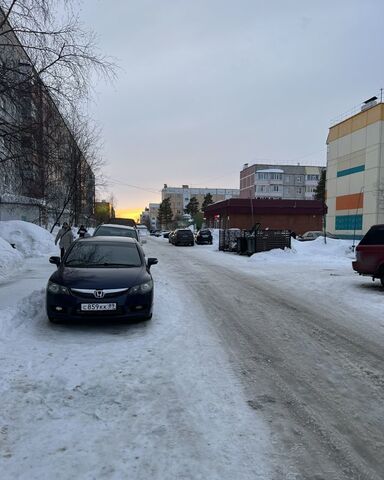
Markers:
point(104, 277)
point(204, 236)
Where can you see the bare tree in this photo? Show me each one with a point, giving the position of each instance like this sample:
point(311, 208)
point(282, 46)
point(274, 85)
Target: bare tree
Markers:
point(46, 60)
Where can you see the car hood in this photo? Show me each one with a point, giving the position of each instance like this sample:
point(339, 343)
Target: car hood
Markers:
point(100, 278)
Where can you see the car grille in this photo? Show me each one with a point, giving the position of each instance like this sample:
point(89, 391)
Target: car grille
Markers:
point(89, 294)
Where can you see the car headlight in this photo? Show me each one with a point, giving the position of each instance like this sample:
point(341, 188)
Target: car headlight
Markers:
point(142, 288)
point(56, 288)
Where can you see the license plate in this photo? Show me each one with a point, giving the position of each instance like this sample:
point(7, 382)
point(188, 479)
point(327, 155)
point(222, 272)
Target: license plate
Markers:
point(93, 307)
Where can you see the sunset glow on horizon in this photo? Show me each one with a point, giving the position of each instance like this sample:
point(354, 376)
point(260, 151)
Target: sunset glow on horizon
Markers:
point(128, 213)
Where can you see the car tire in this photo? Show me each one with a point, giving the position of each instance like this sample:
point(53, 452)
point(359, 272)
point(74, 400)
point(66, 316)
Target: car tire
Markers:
point(148, 317)
point(382, 281)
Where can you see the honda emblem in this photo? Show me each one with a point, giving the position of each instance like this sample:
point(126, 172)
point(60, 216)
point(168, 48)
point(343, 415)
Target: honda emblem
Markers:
point(98, 294)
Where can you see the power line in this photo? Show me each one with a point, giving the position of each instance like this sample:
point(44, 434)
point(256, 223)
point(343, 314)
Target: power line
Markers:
point(119, 182)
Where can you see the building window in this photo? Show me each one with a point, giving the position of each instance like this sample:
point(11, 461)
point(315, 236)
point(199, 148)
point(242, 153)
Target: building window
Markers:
point(312, 178)
point(263, 176)
point(276, 176)
point(299, 190)
point(275, 188)
point(299, 178)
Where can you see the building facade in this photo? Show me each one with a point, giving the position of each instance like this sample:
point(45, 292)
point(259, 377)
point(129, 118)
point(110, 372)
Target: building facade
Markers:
point(44, 175)
point(291, 182)
point(181, 196)
point(299, 216)
point(355, 172)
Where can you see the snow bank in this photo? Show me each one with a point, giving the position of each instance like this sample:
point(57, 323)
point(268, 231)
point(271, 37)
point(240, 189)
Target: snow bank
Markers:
point(315, 251)
point(29, 239)
point(13, 318)
point(10, 260)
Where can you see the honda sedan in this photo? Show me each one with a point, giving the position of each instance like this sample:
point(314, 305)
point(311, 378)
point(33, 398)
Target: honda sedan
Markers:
point(105, 277)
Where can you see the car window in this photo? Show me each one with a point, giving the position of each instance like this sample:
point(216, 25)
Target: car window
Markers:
point(103, 255)
point(115, 232)
point(374, 236)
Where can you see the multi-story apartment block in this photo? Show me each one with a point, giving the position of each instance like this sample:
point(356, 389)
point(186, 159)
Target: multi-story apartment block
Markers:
point(181, 196)
point(291, 182)
point(355, 171)
point(44, 175)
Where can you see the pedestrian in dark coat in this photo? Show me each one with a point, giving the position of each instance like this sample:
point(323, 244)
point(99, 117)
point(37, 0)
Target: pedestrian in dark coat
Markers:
point(65, 238)
point(82, 231)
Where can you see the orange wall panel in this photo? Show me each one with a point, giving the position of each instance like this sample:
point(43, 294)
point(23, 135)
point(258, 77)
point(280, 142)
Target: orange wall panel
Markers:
point(350, 202)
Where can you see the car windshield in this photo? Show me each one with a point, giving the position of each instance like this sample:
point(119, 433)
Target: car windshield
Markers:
point(103, 255)
point(115, 232)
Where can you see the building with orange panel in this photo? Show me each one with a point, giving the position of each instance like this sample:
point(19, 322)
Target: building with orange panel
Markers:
point(355, 171)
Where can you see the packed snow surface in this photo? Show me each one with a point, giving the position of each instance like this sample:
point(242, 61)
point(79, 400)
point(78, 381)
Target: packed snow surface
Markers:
point(153, 400)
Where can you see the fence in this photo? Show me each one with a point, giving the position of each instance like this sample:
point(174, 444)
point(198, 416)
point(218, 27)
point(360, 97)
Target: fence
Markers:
point(248, 242)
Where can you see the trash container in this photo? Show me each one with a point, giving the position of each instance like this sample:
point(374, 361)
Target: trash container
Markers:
point(241, 245)
point(251, 245)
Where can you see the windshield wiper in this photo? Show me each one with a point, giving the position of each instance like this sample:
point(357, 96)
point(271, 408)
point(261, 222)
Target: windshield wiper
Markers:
point(117, 265)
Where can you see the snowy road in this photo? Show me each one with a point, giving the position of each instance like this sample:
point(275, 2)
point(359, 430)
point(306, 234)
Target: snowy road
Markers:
point(311, 366)
point(241, 374)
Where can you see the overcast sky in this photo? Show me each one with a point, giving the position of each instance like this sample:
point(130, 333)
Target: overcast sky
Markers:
point(205, 86)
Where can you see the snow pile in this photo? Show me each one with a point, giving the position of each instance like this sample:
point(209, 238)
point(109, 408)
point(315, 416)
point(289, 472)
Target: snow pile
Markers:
point(315, 251)
point(10, 260)
point(13, 318)
point(28, 238)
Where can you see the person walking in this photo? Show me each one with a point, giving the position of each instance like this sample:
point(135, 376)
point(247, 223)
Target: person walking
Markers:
point(65, 238)
point(82, 231)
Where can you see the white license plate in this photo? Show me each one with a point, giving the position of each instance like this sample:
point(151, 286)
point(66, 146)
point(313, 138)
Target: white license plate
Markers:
point(93, 307)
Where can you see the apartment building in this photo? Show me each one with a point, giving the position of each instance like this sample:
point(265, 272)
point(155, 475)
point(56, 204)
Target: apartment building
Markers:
point(44, 175)
point(181, 196)
point(288, 182)
point(355, 173)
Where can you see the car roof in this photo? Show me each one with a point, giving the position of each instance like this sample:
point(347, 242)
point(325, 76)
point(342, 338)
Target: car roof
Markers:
point(116, 225)
point(108, 239)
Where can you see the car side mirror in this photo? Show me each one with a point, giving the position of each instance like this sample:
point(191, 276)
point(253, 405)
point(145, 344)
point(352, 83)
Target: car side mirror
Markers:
point(55, 260)
point(152, 261)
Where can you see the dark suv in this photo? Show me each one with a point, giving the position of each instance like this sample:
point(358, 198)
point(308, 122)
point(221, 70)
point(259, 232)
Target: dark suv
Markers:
point(182, 236)
point(370, 254)
point(204, 236)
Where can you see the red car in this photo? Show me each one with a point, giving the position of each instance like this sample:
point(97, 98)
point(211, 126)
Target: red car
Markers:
point(370, 254)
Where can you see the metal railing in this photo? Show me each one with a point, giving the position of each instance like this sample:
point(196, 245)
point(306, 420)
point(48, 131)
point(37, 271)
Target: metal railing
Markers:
point(356, 109)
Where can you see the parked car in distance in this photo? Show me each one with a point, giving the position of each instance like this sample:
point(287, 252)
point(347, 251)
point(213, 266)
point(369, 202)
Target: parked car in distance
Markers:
point(183, 236)
point(203, 236)
point(112, 230)
point(312, 235)
point(155, 233)
point(103, 277)
point(166, 234)
point(370, 254)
